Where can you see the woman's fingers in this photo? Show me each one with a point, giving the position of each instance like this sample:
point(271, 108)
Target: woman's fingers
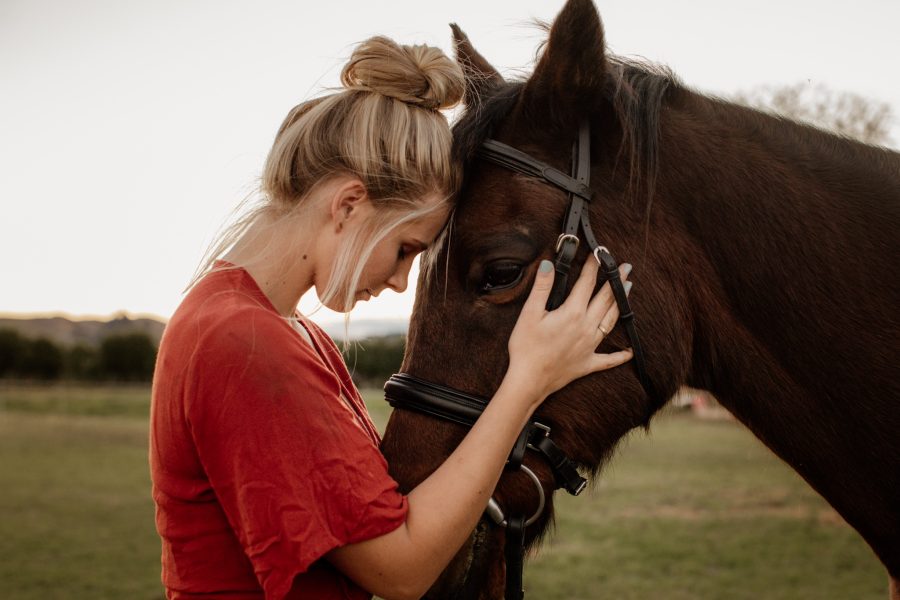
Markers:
point(584, 287)
point(554, 348)
point(604, 300)
point(601, 362)
point(540, 290)
point(608, 321)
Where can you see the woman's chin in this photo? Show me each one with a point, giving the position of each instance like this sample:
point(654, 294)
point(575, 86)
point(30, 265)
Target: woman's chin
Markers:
point(361, 296)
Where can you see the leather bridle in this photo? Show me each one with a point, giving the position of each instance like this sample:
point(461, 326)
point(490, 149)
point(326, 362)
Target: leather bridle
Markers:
point(407, 392)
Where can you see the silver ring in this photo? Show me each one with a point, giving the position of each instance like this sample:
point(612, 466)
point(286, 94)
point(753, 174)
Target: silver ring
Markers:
point(494, 511)
point(602, 330)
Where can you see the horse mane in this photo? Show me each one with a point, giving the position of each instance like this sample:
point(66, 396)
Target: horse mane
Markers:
point(480, 119)
point(636, 91)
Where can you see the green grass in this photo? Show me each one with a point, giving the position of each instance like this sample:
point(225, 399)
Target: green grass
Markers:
point(77, 516)
point(697, 510)
point(701, 509)
point(127, 400)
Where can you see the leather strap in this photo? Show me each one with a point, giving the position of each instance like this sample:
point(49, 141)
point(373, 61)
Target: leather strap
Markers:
point(577, 211)
point(515, 558)
point(564, 470)
point(406, 391)
point(577, 185)
point(626, 316)
point(516, 160)
point(517, 455)
point(411, 393)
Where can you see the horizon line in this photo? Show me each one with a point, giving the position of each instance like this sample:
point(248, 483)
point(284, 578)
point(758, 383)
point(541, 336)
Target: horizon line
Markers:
point(81, 317)
point(144, 315)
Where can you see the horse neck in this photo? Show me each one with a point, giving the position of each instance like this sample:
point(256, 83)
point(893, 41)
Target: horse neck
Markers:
point(796, 329)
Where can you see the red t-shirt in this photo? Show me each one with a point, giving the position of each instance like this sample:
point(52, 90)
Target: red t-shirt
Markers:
point(262, 454)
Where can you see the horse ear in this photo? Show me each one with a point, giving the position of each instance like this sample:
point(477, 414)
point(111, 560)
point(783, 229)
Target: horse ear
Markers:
point(479, 74)
point(568, 79)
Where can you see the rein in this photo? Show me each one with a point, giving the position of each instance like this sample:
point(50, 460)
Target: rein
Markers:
point(411, 393)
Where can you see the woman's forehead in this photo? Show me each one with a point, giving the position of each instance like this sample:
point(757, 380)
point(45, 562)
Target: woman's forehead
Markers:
point(426, 228)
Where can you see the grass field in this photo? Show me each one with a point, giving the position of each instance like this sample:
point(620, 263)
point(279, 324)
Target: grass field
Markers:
point(696, 510)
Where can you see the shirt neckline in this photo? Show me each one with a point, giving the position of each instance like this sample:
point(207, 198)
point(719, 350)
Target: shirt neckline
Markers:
point(314, 344)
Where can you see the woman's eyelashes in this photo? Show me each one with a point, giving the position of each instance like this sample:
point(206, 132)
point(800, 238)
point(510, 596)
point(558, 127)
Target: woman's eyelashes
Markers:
point(406, 250)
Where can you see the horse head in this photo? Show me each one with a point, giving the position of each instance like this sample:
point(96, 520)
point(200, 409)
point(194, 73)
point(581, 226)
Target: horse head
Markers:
point(475, 280)
point(696, 288)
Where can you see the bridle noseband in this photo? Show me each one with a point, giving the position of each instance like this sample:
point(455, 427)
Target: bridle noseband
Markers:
point(407, 392)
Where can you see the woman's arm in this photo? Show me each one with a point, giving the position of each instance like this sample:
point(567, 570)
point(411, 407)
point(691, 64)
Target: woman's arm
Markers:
point(547, 351)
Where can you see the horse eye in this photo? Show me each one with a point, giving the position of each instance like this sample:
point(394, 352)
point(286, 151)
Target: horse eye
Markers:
point(501, 275)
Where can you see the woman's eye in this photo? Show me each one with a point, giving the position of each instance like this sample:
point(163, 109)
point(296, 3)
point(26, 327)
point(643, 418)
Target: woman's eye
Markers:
point(501, 275)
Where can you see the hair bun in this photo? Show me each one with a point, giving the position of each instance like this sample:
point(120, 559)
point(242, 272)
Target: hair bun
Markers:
point(419, 75)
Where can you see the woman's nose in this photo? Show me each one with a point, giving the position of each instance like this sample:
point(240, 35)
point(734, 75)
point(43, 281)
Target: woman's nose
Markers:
point(400, 279)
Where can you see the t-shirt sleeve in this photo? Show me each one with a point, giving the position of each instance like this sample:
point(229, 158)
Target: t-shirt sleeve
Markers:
point(293, 470)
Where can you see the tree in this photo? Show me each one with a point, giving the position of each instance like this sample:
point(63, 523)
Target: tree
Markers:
point(12, 352)
point(845, 113)
point(42, 360)
point(127, 357)
point(82, 362)
point(373, 361)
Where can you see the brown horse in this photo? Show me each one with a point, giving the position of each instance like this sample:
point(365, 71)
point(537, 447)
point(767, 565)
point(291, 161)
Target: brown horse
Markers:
point(765, 258)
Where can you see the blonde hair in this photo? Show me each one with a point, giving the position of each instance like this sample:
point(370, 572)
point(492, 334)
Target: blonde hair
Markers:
point(385, 128)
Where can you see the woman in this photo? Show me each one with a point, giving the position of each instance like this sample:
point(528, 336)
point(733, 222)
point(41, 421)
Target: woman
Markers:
point(266, 471)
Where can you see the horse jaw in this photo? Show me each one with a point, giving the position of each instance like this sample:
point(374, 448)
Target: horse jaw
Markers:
point(471, 575)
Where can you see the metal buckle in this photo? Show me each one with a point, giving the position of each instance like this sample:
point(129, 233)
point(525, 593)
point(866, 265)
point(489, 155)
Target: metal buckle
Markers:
point(598, 249)
point(566, 237)
point(494, 511)
point(543, 428)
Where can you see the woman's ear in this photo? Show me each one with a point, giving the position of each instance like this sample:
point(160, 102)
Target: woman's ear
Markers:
point(349, 200)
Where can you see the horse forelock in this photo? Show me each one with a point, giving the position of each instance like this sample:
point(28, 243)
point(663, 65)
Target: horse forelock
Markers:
point(635, 92)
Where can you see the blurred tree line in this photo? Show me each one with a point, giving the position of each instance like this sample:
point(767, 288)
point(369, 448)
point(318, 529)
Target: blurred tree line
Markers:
point(121, 357)
point(844, 113)
point(131, 357)
point(374, 360)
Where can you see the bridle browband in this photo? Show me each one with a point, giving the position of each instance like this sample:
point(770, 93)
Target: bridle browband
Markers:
point(407, 392)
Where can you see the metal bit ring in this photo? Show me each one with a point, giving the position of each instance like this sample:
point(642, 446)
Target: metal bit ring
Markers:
point(494, 511)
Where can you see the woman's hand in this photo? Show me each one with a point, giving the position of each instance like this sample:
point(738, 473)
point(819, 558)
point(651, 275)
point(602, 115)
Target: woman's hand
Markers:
point(550, 349)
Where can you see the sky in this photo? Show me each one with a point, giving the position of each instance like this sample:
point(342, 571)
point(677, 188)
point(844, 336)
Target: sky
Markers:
point(129, 131)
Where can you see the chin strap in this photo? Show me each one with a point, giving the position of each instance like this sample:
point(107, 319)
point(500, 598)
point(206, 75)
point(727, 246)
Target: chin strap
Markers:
point(514, 552)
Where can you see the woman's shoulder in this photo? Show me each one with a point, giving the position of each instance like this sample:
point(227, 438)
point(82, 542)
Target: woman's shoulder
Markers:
point(226, 312)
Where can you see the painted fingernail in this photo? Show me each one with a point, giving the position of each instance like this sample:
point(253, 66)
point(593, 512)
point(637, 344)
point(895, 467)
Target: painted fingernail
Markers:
point(628, 285)
point(546, 266)
point(626, 268)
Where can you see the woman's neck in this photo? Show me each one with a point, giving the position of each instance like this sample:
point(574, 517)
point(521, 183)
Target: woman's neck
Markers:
point(279, 257)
